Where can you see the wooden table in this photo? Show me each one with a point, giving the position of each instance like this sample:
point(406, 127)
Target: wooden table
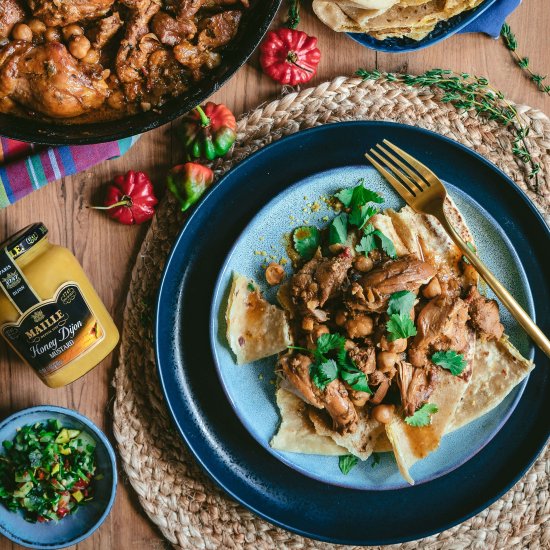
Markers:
point(107, 250)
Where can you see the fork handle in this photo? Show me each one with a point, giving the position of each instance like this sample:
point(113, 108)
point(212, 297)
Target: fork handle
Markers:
point(496, 286)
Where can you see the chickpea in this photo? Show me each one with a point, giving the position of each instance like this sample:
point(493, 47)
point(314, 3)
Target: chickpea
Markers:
point(386, 360)
point(340, 317)
point(336, 248)
point(432, 289)
point(79, 46)
point(274, 273)
point(363, 263)
point(36, 26)
point(22, 32)
point(383, 413)
point(52, 34)
point(319, 330)
point(308, 324)
point(92, 57)
point(72, 30)
point(359, 327)
point(396, 346)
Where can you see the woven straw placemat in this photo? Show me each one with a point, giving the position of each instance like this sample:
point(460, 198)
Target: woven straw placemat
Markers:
point(189, 509)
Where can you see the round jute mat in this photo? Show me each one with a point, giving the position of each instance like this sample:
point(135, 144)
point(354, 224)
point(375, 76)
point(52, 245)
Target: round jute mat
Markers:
point(187, 507)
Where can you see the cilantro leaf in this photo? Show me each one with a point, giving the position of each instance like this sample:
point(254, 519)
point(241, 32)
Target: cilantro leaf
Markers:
point(400, 326)
point(306, 240)
point(345, 195)
point(322, 374)
point(423, 416)
point(251, 287)
point(373, 237)
point(358, 196)
point(401, 302)
point(362, 195)
point(355, 378)
point(346, 463)
point(360, 215)
point(366, 244)
point(338, 229)
point(375, 460)
point(450, 360)
point(327, 342)
point(386, 244)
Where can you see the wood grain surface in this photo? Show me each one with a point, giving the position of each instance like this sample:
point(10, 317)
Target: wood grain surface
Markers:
point(107, 250)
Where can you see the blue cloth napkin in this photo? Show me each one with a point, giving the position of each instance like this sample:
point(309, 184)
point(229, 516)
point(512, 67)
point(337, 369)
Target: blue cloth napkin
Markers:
point(490, 22)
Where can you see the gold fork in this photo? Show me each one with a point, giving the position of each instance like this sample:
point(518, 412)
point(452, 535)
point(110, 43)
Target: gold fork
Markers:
point(422, 190)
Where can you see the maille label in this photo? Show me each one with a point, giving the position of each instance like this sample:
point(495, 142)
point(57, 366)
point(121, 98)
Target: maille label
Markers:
point(14, 284)
point(56, 332)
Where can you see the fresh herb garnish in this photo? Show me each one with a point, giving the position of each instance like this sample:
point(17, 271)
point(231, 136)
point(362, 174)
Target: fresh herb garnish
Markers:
point(510, 41)
point(338, 229)
point(465, 92)
point(251, 287)
point(400, 326)
point(346, 463)
point(373, 237)
point(450, 360)
point(375, 460)
point(306, 241)
point(293, 17)
point(423, 416)
point(322, 374)
point(325, 369)
point(359, 195)
point(360, 215)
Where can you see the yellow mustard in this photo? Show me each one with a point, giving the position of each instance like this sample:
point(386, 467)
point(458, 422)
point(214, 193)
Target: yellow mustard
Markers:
point(49, 312)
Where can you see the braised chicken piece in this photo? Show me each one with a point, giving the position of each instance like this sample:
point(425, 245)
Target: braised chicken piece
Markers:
point(484, 315)
point(48, 79)
point(10, 13)
point(334, 398)
point(104, 30)
point(219, 29)
point(319, 280)
point(441, 325)
point(60, 13)
point(415, 386)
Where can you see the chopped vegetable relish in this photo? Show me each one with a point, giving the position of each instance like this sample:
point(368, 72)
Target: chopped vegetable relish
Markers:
point(47, 471)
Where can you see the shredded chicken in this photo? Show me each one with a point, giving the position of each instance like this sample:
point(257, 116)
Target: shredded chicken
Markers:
point(415, 386)
point(484, 315)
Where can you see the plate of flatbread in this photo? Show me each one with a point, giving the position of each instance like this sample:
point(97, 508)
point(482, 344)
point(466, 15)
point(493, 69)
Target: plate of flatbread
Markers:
point(461, 429)
point(399, 25)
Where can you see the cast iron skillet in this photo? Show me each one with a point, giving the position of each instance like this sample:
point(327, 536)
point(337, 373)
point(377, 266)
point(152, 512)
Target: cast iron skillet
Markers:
point(254, 25)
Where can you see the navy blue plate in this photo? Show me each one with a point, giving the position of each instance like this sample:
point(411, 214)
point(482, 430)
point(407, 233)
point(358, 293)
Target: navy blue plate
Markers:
point(206, 420)
point(443, 30)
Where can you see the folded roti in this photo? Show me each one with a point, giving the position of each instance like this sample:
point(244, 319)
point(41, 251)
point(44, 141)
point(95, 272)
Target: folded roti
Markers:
point(255, 328)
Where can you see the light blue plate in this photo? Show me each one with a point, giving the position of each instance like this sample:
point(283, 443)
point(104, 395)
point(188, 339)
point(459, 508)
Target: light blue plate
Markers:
point(250, 388)
point(80, 525)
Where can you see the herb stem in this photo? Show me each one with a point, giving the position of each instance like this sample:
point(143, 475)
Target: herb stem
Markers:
point(293, 17)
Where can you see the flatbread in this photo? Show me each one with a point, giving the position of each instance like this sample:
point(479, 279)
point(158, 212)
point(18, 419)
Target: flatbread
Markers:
point(360, 443)
point(296, 433)
point(255, 328)
point(498, 369)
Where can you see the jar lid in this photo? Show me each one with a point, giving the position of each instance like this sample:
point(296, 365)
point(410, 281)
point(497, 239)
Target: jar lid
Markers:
point(25, 239)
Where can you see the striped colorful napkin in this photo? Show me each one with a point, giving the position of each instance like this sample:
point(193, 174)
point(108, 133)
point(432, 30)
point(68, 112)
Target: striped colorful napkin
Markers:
point(25, 167)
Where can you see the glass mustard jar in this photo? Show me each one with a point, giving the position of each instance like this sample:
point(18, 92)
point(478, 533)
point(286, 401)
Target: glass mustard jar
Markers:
point(49, 312)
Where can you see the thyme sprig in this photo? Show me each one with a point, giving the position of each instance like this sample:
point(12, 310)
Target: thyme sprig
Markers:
point(510, 41)
point(466, 92)
point(293, 17)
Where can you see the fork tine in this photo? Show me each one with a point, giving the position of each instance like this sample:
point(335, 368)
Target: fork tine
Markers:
point(414, 177)
point(403, 178)
point(403, 191)
point(422, 169)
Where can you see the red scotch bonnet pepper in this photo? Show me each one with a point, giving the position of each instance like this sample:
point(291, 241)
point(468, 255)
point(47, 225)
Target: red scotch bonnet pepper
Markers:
point(289, 56)
point(188, 182)
point(208, 132)
point(130, 199)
